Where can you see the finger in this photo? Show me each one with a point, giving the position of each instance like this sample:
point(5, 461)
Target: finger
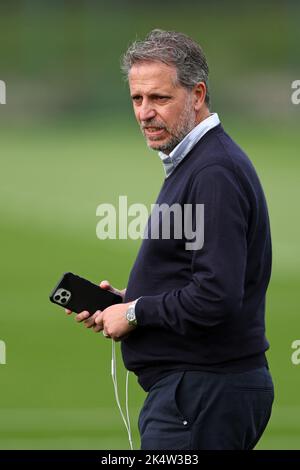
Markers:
point(82, 316)
point(68, 312)
point(91, 321)
point(99, 319)
point(97, 328)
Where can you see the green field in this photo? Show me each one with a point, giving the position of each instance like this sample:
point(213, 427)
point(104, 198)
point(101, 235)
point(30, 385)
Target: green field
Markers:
point(56, 390)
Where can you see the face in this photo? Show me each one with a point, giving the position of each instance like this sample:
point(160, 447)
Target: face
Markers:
point(164, 109)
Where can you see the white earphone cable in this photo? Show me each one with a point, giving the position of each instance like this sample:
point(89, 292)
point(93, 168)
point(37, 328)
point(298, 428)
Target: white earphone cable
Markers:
point(115, 383)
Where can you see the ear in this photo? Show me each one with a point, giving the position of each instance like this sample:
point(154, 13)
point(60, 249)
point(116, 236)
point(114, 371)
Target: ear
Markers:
point(199, 94)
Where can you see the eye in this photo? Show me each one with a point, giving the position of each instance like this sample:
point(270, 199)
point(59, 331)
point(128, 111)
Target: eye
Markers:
point(137, 99)
point(162, 99)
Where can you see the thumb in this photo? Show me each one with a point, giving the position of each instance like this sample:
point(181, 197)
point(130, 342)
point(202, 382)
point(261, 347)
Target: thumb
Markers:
point(105, 284)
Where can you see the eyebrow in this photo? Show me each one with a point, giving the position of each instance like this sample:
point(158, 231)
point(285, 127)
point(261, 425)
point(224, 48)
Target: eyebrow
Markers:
point(152, 95)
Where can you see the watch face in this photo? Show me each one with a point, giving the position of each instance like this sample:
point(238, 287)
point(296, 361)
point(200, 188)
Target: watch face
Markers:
point(131, 316)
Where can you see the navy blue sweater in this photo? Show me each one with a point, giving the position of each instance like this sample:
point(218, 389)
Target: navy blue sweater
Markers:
point(204, 309)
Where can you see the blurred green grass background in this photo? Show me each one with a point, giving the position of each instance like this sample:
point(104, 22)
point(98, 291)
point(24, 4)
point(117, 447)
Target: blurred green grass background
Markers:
point(68, 142)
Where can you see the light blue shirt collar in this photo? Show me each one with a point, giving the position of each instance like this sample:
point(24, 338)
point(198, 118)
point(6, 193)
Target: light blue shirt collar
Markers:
point(188, 142)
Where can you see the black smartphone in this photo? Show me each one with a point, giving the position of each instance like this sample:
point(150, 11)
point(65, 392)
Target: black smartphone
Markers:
point(78, 294)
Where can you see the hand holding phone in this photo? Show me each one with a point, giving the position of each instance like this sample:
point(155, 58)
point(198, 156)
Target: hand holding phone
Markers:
point(77, 294)
point(89, 320)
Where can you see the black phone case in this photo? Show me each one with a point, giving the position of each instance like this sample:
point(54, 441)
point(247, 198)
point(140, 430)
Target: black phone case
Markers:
point(78, 294)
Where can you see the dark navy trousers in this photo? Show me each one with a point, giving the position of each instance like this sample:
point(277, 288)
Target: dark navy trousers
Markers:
point(195, 410)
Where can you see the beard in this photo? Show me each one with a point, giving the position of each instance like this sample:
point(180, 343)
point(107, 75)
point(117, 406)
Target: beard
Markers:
point(185, 123)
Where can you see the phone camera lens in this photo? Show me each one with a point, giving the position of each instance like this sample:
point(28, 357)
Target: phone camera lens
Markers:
point(57, 298)
point(64, 293)
point(63, 300)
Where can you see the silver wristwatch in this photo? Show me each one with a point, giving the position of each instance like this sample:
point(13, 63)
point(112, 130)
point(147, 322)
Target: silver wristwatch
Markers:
point(130, 314)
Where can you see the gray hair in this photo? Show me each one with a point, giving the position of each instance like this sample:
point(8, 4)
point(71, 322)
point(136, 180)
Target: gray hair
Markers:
point(172, 48)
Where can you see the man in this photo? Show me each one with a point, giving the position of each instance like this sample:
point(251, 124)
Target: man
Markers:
point(192, 322)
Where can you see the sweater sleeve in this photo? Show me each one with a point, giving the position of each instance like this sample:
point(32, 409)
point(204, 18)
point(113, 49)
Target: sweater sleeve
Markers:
point(216, 288)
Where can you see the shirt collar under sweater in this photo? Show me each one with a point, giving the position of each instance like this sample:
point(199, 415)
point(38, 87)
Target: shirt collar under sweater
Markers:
point(188, 142)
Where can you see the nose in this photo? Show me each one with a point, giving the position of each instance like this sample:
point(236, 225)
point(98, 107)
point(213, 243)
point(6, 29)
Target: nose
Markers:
point(146, 111)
